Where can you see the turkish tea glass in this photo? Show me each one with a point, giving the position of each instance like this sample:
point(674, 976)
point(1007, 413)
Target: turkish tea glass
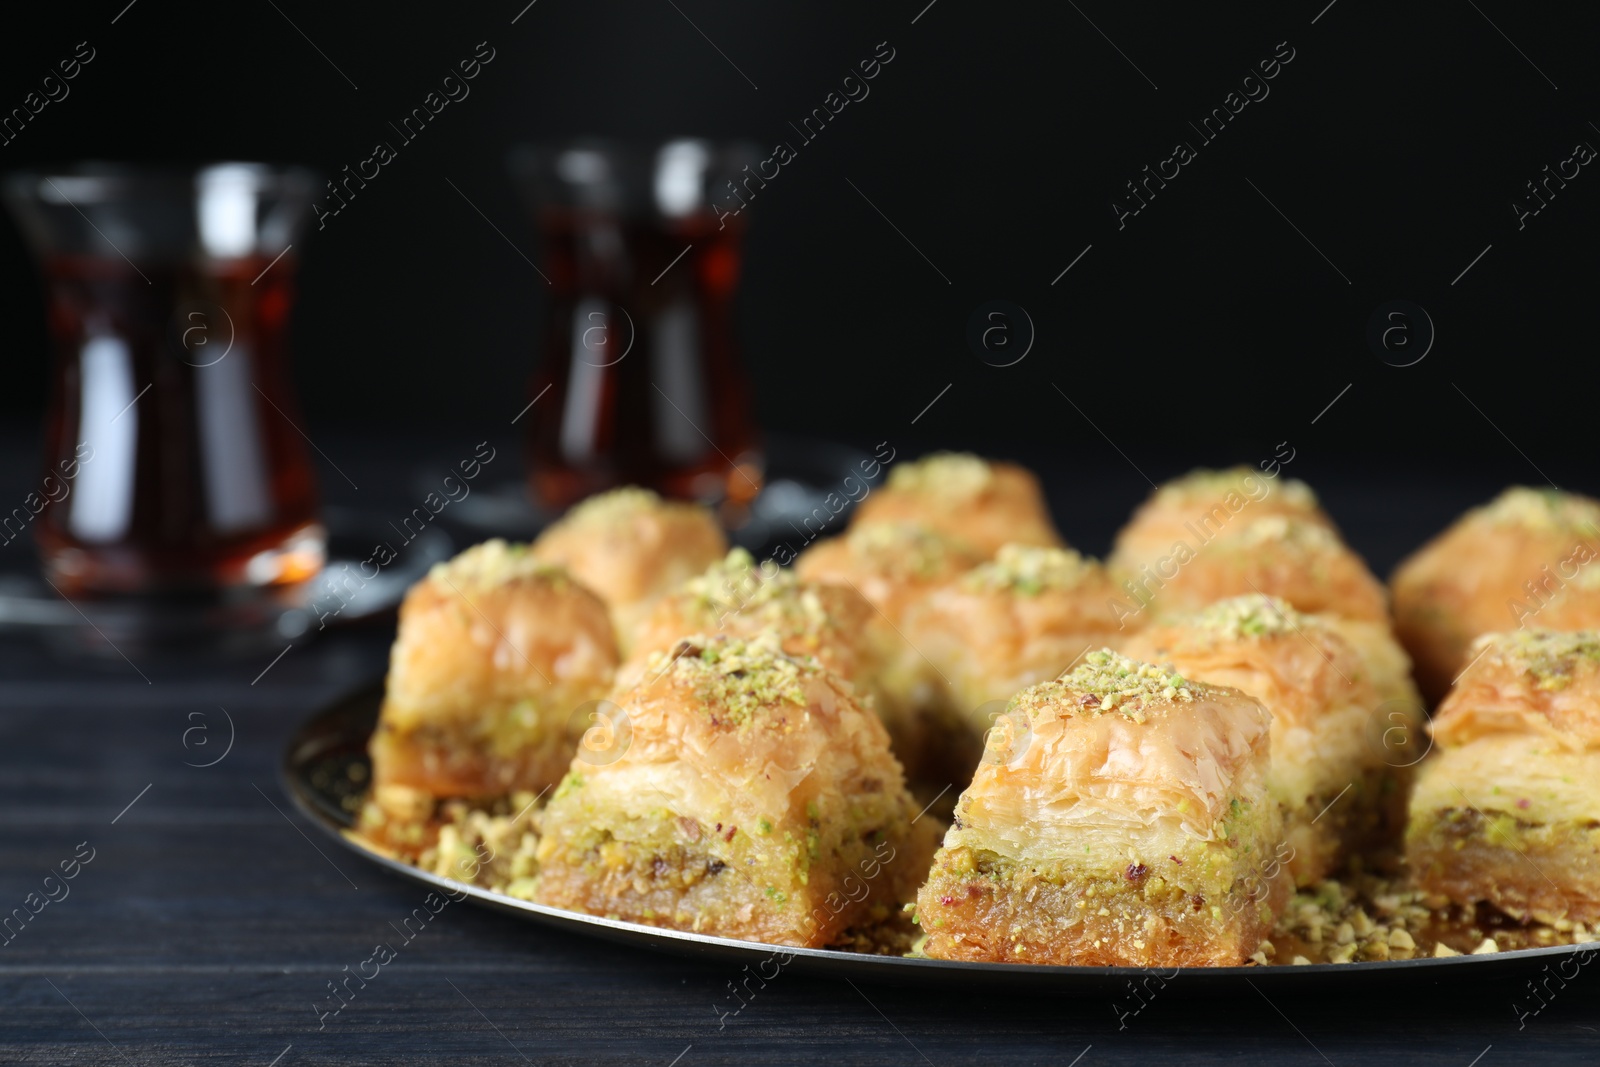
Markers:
point(641, 381)
point(175, 474)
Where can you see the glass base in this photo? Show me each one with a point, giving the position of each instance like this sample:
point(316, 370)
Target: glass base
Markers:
point(243, 621)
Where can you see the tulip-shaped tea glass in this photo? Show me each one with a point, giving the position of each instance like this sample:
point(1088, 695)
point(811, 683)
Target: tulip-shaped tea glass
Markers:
point(176, 481)
point(641, 381)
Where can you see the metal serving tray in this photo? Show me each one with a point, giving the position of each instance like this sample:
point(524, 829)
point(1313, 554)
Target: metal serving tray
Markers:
point(332, 739)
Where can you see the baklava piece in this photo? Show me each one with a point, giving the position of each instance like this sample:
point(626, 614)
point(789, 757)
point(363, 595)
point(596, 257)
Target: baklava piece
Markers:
point(1507, 809)
point(1522, 560)
point(740, 598)
point(495, 651)
point(896, 565)
point(1342, 789)
point(1120, 816)
point(1019, 619)
point(632, 547)
point(983, 503)
point(755, 800)
point(1202, 505)
point(892, 564)
point(1298, 560)
point(1385, 662)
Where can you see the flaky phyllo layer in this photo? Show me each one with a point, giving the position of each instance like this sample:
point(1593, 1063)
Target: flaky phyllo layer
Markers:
point(894, 565)
point(1011, 622)
point(494, 653)
point(1531, 870)
point(508, 748)
point(980, 907)
point(828, 621)
point(1203, 504)
point(1524, 560)
point(1507, 808)
point(757, 799)
point(1344, 729)
point(982, 503)
point(1114, 748)
point(1124, 777)
point(1318, 688)
point(631, 547)
point(1298, 559)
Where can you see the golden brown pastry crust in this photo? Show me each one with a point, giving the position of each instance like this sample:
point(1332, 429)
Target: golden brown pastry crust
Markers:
point(495, 652)
point(1120, 816)
point(992, 912)
point(983, 503)
point(827, 620)
point(1019, 619)
point(632, 547)
point(1539, 872)
point(892, 564)
point(1384, 661)
point(1507, 808)
point(1526, 559)
point(1341, 792)
point(738, 597)
point(755, 800)
point(1302, 562)
point(1539, 682)
point(1202, 505)
point(895, 565)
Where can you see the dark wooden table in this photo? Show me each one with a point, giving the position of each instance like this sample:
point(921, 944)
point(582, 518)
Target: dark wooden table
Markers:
point(211, 919)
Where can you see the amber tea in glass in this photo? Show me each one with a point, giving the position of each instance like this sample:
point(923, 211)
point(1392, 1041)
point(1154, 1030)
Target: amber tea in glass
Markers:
point(172, 426)
point(640, 381)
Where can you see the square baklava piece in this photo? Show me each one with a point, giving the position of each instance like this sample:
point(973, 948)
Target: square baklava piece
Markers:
point(495, 652)
point(1341, 758)
point(1300, 560)
point(982, 503)
point(1507, 806)
point(748, 795)
point(1522, 560)
point(632, 547)
point(1014, 621)
point(1196, 508)
point(741, 598)
point(893, 564)
point(1120, 816)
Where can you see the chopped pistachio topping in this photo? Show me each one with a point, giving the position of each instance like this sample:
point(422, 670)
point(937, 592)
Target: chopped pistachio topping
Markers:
point(1206, 484)
point(1252, 615)
point(736, 584)
point(738, 680)
point(1275, 531)
point(948, 474)
point(1550, 657)
point(1029, 570)
point(619, 507)
point(907, 548)
point(492, 563)
point(1108, 681)
point(1541, 509)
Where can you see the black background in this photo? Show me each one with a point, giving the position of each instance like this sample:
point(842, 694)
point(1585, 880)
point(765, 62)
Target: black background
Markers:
point(1206, 331)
